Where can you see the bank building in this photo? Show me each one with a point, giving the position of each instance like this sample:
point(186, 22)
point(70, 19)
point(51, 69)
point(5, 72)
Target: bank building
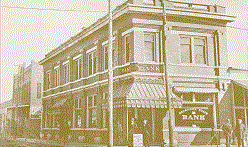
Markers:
point(76, 74)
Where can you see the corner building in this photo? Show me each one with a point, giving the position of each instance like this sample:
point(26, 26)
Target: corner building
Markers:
point(76, 75)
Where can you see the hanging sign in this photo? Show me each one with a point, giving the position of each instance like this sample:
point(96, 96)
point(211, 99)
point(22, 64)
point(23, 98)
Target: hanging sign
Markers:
point(201, 117)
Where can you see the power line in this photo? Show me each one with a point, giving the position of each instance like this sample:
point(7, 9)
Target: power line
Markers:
point(45, 9)
point(71, 10)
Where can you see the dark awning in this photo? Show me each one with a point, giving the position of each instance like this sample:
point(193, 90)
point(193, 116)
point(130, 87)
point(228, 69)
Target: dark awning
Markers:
point(242, 83)
point(142, 95)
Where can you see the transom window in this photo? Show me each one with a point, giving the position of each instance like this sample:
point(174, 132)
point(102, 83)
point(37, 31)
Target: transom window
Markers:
point(197, 97)
point(193, 49)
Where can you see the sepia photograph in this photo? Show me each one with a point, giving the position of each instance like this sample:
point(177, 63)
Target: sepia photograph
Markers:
point(124, 73)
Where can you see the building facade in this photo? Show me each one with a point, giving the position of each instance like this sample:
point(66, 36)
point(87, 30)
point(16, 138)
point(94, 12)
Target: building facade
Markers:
point(76, 74)
point(25, 113)
point(4, 119)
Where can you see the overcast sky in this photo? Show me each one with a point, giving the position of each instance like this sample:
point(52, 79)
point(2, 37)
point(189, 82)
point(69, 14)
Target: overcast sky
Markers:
point(29, 34)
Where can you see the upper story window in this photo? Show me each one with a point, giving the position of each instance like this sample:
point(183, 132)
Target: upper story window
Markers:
point(92, 62)
point(105, 57)
point(114, 54)
point(92, 111)
point(150, 46)
point(77, 68)
point(127, 47)
point(67, 72)
point(149, 2)
point(48, 79)
point(193, 49)
point(57, 76)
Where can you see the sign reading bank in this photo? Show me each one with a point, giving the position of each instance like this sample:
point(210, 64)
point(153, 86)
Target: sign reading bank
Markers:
point(201, 117)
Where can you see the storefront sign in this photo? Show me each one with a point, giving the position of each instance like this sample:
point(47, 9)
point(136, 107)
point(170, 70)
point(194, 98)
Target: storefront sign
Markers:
point(138, 140)
point(201, 117)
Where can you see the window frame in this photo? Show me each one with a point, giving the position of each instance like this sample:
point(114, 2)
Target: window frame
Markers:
point(93, 67)
point(48, 79)
point(155, 50)
point(78, 66)
point(67, 72)
point(89, 110)
point(78, 110)
point(192, 46)
point(57, 76)
point(125, 47)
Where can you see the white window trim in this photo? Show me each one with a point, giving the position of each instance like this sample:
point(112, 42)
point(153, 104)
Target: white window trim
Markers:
point(190, 33)
point(125, 52)
point(156, 47)
point(65, 62)
point(91, 50)
point(49, 73)
point(76, 57)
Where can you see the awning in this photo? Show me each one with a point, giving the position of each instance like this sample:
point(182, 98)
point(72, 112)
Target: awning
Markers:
point(142, 95)
point(195, 90)
point(242, 83)
point(59, 103)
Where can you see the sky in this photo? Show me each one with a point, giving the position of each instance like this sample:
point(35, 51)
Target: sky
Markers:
point(29, 34)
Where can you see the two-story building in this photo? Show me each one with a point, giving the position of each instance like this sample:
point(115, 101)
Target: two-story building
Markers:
point(76, 73)
point(25, 113)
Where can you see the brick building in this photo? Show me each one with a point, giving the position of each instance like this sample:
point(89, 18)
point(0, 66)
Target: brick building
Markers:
point(76, 75)
point(25, 112)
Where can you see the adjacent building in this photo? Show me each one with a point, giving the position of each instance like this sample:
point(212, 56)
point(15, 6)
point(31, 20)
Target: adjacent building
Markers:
point(4, 119)
point(25, 113)
point(76, 74)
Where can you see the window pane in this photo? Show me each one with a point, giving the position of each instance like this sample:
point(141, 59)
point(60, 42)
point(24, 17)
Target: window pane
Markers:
point(89, 101)
point(148, 52)
point(77, 69)
point(149, 37)
point(186, 54)
point(94, 63)
point(199, 41)
point(90, 64)
point(185, 40)
point(106, 57)
point(127, 47)
point(199, 54)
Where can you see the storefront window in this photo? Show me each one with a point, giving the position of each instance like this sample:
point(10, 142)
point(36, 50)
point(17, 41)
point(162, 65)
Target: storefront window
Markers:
point(78, 109)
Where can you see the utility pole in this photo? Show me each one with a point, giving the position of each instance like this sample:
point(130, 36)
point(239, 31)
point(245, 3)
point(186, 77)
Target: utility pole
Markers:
point(166, 76)
point(110, 80)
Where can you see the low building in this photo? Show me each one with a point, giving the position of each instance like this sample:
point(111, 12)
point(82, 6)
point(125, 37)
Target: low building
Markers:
point(4, 118)
point(25, 112)
point(76, 75)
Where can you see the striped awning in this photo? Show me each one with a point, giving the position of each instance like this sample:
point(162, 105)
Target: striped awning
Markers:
point(142, 95)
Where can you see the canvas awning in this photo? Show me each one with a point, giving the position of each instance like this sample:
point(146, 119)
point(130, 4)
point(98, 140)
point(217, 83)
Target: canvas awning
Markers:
point(195, 90)
point(142, 95)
